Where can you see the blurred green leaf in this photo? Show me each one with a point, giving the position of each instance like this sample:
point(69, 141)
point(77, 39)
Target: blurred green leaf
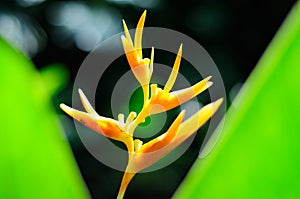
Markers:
point(258, 153)
point(36, 161)
point(55, 77)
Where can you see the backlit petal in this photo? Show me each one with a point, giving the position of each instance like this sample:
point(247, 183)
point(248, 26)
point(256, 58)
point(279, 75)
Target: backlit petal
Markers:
point(105, 126)
point(174, 72)
point(192, 124)
point(127, 35)
point(86, 104)
point(185, 130)
point(165, 138)
point(164, 101)
point(139, 34)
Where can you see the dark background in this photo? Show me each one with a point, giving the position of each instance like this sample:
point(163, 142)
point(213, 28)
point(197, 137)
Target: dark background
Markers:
point(235, 34)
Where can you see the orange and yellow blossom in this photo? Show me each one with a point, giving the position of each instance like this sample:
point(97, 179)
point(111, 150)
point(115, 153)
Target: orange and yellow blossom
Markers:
point(143, 155)
point(141, 67)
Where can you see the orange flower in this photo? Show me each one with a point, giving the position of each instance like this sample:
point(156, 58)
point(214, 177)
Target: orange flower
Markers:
point(106, 126)
point(141, 67)
point(143, 155)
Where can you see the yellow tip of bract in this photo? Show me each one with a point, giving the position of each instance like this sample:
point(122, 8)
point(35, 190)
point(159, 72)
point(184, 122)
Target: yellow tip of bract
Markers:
point(151, 61)
point(218, 103)
point(142, 20)
point(145, 12)
point(192, 124)
point(70, 111)
point(174, 73)
point(139, 34)
point(85, 118)
point(63, 107)
point(126, 31)
point(86, 104)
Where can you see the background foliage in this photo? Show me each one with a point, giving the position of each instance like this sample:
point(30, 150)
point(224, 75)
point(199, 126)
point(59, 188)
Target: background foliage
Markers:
point(257, 155)
point(234, 33)
point(36, 161)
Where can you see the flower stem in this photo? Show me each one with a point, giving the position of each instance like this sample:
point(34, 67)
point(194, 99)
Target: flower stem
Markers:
point(125, 181)
point(145, 88)
point(140, 118)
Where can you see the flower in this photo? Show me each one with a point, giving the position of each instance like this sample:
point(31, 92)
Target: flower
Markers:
point(143, 155)
point(106, 126)
point(141, 67)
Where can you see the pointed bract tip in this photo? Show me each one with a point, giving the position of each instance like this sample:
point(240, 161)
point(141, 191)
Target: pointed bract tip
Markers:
point(82, 96)
point(144, 13)
point(80, 92)
point(215, 105)
point(141, 22)
point(208, 78)
point(125, 26)
point(152, 53)
point(62, 105)
point(182, 114)
point(209, 84)
point(65, 108)
point(179, 51)
point(218, 102)
point(180, 48)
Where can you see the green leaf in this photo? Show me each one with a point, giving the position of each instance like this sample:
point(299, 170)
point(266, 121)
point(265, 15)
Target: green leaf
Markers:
point(36, 161)
point(55, 77)
point(258, 153)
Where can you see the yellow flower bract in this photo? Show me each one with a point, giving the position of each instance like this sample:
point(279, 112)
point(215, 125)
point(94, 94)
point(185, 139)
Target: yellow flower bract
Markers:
point(160, 100)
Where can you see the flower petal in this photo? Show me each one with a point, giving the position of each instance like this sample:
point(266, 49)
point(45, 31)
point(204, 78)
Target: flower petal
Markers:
point(85, 118)
point(86, 104)
point(187, 128)
point(174, 72)
point(139, 34)
point(151, 61)
point(105, 126)
point(165, 138)
point(127, 35)
point(164, 101)
point(186, 94)
point(129, 52)
point(192, 124)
